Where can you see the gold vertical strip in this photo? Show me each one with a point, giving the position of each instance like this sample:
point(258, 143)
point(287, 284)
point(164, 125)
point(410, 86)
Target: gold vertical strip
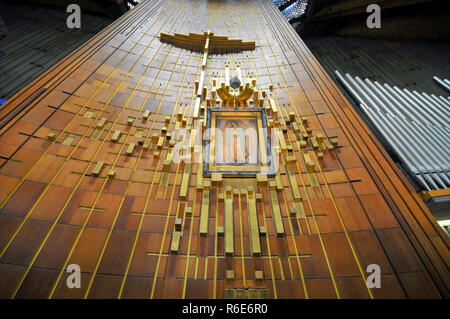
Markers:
point(200, 83)
point(279, 228)
point(300, 210)
point(97, 169)
point(229, 221)
point(294, 185)
point(200, 173)
point(282, 142)
point(204, 212)
point(176, 235)
point(196, 107)
point(279, 181)
point(274, 108)
point(205, 56)
point(115, 136)
point(254, 227)
point(185, 182)
point(227, 76)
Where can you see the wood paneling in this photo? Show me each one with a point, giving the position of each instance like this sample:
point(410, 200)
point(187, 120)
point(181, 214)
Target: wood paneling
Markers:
point(318, 230)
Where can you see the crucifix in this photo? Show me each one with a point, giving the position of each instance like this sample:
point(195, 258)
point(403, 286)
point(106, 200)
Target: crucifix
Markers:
point(209, 43)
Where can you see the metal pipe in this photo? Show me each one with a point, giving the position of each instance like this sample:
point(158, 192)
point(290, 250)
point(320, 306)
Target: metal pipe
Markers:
point(398, 149)
point(397, 107)
point(425, 108)
point(419, 161)
point(435, 107)
point(430, 153)
point(442, 83)
point(419, 144)
point(348, 87)
point(441, 104)
point(433, 133)
point(374, 98)
point(435, 148)
point(447, 101)
point(391, 102)
point(431, 110)
point(362, 95)
point(424, 154)
point(397, 115)
point(380, 96)
point(364, 91)
point(439, 134)
point(398, 141)
point(411, 105)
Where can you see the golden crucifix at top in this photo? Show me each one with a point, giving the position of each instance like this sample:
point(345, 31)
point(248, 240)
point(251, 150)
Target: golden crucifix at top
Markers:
point(210, 43)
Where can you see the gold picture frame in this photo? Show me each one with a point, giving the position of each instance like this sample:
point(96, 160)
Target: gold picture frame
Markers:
point(219, 119)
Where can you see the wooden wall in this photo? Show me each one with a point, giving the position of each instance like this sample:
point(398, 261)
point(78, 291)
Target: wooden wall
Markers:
point(358, 208)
